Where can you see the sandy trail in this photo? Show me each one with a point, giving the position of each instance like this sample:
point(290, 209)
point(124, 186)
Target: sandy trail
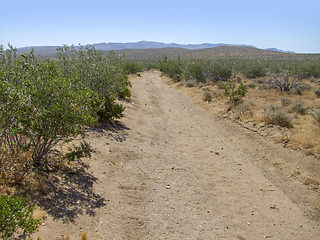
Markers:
point(173, 171)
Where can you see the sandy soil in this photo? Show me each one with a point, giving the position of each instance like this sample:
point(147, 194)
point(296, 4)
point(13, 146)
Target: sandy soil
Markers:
point(171, 170)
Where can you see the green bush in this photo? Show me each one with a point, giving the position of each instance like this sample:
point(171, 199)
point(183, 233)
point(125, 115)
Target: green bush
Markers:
point(110, 110)
point(171, 67)
point(234, 94)
point(14, 214)
point(125, 92)
point(131, 67)
point(254, 70)
point(218, 70)
point(196, 71)
point(44, 102)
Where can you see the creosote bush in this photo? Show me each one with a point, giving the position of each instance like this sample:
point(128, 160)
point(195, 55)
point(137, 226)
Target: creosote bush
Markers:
point(15, 213)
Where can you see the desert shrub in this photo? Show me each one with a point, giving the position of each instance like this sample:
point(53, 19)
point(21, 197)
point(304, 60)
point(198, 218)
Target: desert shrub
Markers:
point(196, 72)
point(234, 94)
point(278, 117)
point(285, 81)
point(14, 214)
point(285, 102)
point(260, 80)
point(171, 67)
point(125, 92)
point(317, 91)
point(264, 87)
point(301, 88)
point(201, 85)
point(239, 80)
point(191, 83)
point(254, 70)
point(244, 107)
point(44, 102)
point(180, 84)
point(207, 96)
point(299, 108)
point(219, 70)
point(313, 80)
point(315, 113)
point(222, 85)
point(251, 85)
point(110, 110)
point(131, 67)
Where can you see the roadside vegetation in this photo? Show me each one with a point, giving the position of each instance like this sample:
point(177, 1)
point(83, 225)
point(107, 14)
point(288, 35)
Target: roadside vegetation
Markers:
point(46, 103)
point(279, 98)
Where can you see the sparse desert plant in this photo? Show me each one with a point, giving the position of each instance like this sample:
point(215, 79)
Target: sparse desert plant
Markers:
point(234, 94)
point(15, 213)
point(191, 83)
point(251, 85)
point(317, 91)
point(301, 88)
point(207, 96)
point(315, 113)
point(285, 102)
point(299, 108)
point(202, 85)
point(313, 79)
point(180, 84)
point(285, 81)
point(279, 117)
point(244, 107)
point(222, 84)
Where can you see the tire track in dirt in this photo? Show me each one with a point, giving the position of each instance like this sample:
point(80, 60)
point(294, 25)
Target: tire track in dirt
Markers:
point(180, 174)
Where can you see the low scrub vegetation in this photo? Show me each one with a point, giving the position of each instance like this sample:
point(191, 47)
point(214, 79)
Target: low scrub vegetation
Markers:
point(46, 102)
point(249, 87)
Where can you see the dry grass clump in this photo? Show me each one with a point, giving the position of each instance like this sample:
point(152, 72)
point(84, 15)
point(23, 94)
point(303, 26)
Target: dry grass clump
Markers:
point(14, 169)
point(207, 96)
point(191, 83)
point(279, 117)
point(299, 108)
point(285, 102)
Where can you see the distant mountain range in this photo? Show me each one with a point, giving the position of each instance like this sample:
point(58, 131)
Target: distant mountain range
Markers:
point(147, 45)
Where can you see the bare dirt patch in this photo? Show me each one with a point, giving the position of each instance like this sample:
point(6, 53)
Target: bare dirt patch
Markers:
point(172, 170)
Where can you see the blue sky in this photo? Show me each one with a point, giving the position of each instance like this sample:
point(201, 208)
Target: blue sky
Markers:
point(287, 25)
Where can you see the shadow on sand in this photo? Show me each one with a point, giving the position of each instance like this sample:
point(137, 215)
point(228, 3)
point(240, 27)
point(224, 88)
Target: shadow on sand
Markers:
point(70, 192)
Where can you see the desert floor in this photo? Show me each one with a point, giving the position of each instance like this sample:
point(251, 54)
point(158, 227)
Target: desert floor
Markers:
point(172, 170)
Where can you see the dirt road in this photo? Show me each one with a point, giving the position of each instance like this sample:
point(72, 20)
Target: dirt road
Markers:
point(173, 171)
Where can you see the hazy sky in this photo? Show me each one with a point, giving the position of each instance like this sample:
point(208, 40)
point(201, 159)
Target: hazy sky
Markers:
point(283, 24)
